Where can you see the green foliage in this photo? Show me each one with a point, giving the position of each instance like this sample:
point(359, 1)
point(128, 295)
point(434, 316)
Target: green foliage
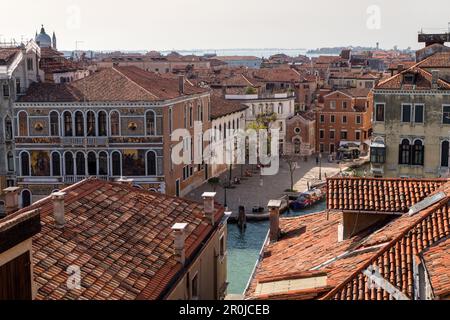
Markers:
point(250, 90)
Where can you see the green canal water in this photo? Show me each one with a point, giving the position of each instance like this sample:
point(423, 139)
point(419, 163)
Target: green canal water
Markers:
point(244, 248)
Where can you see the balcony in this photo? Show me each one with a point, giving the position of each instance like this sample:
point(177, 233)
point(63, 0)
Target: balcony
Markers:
point(84, 141)
point(267, 95)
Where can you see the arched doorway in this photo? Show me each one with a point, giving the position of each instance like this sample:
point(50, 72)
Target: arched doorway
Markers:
point(26, 198)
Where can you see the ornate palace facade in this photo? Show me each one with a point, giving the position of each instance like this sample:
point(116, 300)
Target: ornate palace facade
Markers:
point(115, 123)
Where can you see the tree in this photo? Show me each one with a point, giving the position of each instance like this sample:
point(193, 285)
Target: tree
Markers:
point(214, 182)
point(292, 162)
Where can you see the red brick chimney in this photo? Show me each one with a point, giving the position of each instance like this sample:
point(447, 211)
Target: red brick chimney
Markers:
point(274, 217)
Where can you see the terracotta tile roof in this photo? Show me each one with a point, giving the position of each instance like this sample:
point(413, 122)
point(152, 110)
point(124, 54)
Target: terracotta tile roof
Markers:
point(378, 195)
point(310, 244)
point(437, 60)
point(275, 75)
point(121, 239)
point(221, 107)
point(7, 54)
point(437, 261)
point(422, 81)
point(111, 84)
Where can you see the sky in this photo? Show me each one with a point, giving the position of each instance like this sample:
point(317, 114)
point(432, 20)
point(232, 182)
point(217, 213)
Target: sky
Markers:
point(223, 24)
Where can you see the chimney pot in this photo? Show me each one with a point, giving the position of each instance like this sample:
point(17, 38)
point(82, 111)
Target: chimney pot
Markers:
point(59, 208)
point(11, 199)
point(274, 216)
point(179, 232)
point(208, 205)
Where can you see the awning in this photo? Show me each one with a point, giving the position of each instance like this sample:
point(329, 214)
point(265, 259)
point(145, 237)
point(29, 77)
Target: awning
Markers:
point(377, 145)
point(349, 144)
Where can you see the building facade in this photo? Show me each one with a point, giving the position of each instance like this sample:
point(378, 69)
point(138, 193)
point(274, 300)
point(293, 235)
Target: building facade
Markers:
point(19, 68)
point(115, 123)
point(344, 121)
point(411, 121)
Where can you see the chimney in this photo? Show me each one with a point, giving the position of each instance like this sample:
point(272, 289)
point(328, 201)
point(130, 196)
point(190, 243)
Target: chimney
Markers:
point(179, 233)
point(181, 84)
point(340, 232)
point(400, 68)
point(274, 217)
point(11, 199)
point(58, 208)
point(125, 181)
point(434, 79)
point(208, 205)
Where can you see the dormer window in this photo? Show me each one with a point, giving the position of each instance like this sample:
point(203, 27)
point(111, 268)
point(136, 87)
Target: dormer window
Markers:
point(408, 78)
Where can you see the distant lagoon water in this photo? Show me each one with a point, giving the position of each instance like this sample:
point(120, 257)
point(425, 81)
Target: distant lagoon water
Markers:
point(260, 53)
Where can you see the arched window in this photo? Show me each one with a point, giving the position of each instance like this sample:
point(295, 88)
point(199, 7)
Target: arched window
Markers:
point(69, 164)
point(405, 152)
point(418, 153)
point(115, 123)
point(297, 146)
point(80, 164)
point(54, 124)
point(151, 163)
point(40, 163)
point(90, 119)
point(280, 108)
point(102, 124)
point(68, 124)
point(103, 163)
point(26, 198)
point(150, 123)
point(56, 164)
point(79, 124)
point(23, 124)
point(10, 161)
point(25, 164)
point(116, 164)
point(445, 147)
point(8, 129)
point(92, 164)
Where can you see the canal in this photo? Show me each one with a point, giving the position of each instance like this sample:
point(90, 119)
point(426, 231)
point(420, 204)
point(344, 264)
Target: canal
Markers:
point(244, 248)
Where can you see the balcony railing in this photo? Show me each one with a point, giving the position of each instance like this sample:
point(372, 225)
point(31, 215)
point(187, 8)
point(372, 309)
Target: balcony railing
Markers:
point(85, 141)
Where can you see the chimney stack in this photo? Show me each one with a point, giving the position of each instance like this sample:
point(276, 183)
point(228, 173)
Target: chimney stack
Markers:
point(274, 217)
point(59, 208)
point(11, 199)
point(179, 232)
point(208, 205)
point(434, 79)
point(181, 84)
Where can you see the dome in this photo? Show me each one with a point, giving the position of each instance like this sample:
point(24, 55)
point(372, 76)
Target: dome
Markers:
point(43, 39)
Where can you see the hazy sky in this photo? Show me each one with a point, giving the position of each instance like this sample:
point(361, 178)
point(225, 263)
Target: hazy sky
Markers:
point(221, 24)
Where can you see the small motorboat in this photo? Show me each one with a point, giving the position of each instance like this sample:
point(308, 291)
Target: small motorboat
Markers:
point(307, 199)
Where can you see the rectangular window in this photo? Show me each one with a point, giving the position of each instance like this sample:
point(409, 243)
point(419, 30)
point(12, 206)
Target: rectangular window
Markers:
point(379, 112)
point(30, 64)
point(333, 118)
point(332, 104)
point(322, 148)
point(358, 120)
point(378, 155)
point(5, 90)
point(18, 88)
point(446, 114)
point(344, 119)
point(321, 134)
point(418, 113)
point(406, 113)
point(332, 148)
point(322, 118)
point(344, 105)
point(332, 134)
point(343, 135)
point(358, 135)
